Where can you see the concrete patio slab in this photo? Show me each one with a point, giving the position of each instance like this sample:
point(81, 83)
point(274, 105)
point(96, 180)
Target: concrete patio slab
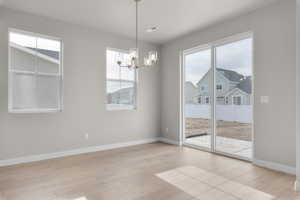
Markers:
point(226, 145)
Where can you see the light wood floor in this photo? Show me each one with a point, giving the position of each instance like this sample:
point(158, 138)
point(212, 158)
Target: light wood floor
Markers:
point(146, 172)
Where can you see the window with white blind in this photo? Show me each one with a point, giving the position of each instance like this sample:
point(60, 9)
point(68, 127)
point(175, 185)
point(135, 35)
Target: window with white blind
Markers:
point(120, 82)
point(35, 73)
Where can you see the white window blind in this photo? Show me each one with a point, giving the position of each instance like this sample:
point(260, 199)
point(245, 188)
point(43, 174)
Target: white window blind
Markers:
point(120, 82)
point(35, 73)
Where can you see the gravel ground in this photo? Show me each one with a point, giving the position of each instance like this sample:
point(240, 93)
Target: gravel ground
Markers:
point(235, 130)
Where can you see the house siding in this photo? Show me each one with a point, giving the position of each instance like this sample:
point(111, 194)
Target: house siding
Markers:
point(191, 93)
point(205, 89)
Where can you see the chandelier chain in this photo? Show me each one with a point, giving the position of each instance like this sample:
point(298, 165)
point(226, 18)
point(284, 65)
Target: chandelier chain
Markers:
point(133, 61)
point(136, 25)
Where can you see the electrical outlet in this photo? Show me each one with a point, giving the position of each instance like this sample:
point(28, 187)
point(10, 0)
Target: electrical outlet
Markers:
point(86, 136)
point(264, 99)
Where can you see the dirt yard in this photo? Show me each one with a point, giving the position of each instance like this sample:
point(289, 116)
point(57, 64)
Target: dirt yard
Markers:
point(235, 130)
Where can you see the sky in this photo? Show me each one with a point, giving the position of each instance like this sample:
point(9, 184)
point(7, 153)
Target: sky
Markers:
point(235, 56)
point(34, 42)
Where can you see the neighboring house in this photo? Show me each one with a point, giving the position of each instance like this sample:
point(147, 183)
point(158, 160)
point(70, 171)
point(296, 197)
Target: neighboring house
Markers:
point(122, 96)
point(25, 58)
point(231, 88)
point(29, 91)
point(191, 93)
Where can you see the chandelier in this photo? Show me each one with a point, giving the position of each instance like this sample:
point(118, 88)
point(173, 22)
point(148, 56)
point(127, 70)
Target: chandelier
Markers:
point(131, 60)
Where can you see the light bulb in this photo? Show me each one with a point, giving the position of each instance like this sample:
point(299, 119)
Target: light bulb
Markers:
point(153, 56)
point(133, 53)
point(147, 62)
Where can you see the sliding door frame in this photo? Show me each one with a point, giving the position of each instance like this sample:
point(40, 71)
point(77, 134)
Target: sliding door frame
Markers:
point(183, 54)
point(213, 46)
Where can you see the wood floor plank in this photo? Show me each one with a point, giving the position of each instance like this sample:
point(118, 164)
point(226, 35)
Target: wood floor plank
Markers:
point(132, 174)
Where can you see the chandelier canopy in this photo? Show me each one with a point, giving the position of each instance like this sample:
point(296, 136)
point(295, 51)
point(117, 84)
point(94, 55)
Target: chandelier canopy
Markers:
point(132, 60)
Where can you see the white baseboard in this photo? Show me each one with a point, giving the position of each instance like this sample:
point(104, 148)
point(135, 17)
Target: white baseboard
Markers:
point(28, 159)
point(297, 186)
point(275, 166)
point(40, 157)
point(169, 141)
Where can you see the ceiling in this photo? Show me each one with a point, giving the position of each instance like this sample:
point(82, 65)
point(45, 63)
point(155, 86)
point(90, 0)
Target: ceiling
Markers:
point(173, 18)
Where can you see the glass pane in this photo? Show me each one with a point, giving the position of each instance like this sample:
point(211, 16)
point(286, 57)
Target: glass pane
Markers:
point(48, 55)
point(48, 92)
point(127, 93)
point(233, 98)
point(120, 94)
point(24, 91)
point(197, 94)
point(22, 52)
point(127, 74)
point(112, 68)
point(31, 58)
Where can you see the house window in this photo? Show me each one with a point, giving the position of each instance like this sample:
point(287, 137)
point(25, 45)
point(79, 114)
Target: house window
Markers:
point(237, 100)
point(120, 82)
point(35, 73)
point(207, 100)
point(199, 100)
point(219, 87)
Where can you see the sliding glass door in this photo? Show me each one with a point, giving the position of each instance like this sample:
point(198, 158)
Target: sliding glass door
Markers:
point(218, 97)
point(234, 98)
point(197, 97)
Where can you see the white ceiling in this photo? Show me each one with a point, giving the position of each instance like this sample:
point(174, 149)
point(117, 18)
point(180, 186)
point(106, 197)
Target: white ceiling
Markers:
point(174, 18)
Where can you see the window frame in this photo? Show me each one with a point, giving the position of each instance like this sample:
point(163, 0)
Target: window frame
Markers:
point(207, 98)
point(237, 96)
point(226, 100)
point(135, 83)
point(200, 100)
point(60, 74)
point(219, 87)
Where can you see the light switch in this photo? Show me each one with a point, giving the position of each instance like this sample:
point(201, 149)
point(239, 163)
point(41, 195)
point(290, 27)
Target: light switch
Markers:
point(264, 99)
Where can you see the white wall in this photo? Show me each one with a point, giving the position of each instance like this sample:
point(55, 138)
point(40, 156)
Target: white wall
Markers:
point(274, 72)
point(298, 95)
point(84, 94)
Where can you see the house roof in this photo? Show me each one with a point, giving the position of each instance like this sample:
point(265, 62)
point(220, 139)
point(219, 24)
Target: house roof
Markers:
point(231, 75)
point(233, 91)
point(246, 85)
point(228, 74)
point(50, 53)
point(188, 83)
point(123, 90)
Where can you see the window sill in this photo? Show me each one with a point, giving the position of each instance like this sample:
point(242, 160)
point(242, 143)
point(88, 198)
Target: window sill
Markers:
point(117, 107)
point(33, 111)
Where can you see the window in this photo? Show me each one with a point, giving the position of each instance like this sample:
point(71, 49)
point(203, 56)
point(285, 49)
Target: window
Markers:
point(199, 100)
point(203, 87)
point(207, 100)
point(237, 100)
point(35, 73)
point(220, 100)
point(226, 100)
point(219, 87)
point(120, 82)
